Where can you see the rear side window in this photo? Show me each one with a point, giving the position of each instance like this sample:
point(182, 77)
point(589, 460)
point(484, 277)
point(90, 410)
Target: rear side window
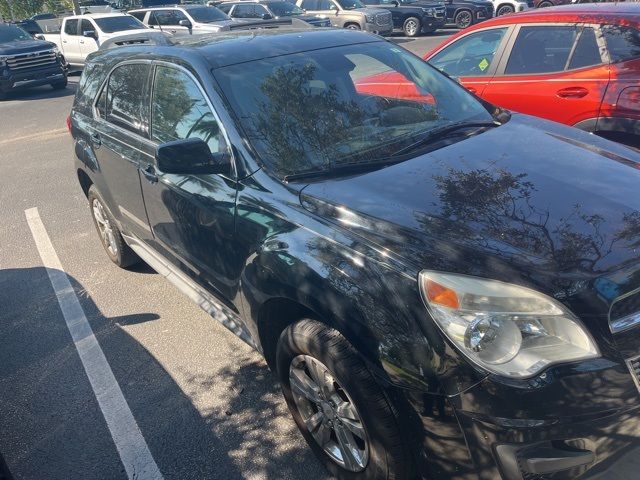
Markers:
point(139, 15)
point(541, 49)
point(245, 11)
point(587, 51)
point(309, 4)
point(120, 102)
point(225, 8)
point(179, 110)
point(71, 27)
point(623, 43)
point(166, 17)
point(470, 56)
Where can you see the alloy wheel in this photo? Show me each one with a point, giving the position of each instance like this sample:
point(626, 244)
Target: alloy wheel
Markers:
point(463, 19)
point(329, 414)
point(411, 27)
point(504, 10)
point(104, 227)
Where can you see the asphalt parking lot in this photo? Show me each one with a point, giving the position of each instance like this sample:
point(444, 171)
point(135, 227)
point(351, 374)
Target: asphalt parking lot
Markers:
point(205, 403)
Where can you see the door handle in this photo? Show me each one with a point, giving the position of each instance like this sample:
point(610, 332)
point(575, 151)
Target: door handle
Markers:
point(95, 139)
point(149, 173)
point(472, 90)
point(572, 92)
point(82, 42)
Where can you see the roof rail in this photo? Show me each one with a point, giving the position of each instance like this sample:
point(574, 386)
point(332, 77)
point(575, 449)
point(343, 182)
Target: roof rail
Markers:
point(146, 38)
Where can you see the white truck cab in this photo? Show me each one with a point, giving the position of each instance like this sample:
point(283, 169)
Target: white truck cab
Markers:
point(81, 35)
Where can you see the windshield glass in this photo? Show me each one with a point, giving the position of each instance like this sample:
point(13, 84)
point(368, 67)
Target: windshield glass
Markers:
point(118, 24)
point(207, 14)
point(350, 4)
point(345, 105)
point(10, 33)
point(285, 9)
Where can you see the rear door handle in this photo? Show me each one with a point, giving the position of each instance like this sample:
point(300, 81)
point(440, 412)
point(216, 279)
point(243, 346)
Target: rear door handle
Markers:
point(95, 139)
point(472, 90)
point(572, 92)
point(149, 173)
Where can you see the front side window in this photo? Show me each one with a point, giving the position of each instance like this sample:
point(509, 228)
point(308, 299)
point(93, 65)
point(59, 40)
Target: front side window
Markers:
point(285, 9)
point(316, 110)
point(71, 26)
point(471, 56)
point(179, 110)
point(309, 4)
point(541, 49)
point(207, 14)
point(623, 43)
point(124, 94)
point(166, 18)
point(118, 24)
point(350, 4)
point(138, 15)
point(86, 26)
point(245, 11)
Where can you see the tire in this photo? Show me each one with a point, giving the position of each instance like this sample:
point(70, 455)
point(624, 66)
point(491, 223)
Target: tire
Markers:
point(545, 5)
point(352, 26)
point(412, 27)
point(504, 10)
point(359, 405)
point(60, 85)
point(3, 95)
point(110, 236)
point(463, 19)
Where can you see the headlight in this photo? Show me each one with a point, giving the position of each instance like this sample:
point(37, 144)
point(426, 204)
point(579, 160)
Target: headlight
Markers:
point(429, 11)
point(507, 329)
point(3, 61)
point(370, 18)
point(55, 49)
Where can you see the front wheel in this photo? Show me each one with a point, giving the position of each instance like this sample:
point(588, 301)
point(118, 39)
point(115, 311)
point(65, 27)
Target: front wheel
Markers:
point(463, 19)
point(338, 406)
point(352, 26)
point(412, 27)
point(504, 10)
point(545, 5)
point(59, 85)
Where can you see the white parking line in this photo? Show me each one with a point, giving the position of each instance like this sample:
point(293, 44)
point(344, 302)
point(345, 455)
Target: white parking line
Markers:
point(132, 448)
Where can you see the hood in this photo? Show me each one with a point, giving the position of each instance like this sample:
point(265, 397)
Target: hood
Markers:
point(18, 47)
point(531, 201)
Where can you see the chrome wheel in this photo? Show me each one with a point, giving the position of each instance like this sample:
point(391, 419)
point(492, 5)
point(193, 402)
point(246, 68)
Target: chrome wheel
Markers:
point(464, 19)
point(104, 227)
point(411, 28)
point(328, 413)
point(353, 26)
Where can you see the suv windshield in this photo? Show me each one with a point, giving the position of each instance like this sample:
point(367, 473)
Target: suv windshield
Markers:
point(118, 24)
point(285, 9)
point(324, 109)
point(207, 14)
point(10, 33)
point(350, 4)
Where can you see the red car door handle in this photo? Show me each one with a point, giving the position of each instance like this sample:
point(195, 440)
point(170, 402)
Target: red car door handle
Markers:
point(471, 89)
point(573, 92)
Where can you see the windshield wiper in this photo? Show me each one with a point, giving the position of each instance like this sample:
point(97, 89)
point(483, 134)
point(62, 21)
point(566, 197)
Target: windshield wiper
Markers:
point(442, 133)
point(345, 168)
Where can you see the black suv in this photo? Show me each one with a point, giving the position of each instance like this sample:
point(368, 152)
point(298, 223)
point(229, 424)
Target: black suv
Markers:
point(464, 13)
point(26, 62)
point(412, 16)
point(437, 298)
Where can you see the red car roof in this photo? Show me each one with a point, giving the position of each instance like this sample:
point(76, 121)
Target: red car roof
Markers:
point(625, 13)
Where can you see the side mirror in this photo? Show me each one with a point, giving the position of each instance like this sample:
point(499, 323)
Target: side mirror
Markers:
point(396, 3)
point(191, 156)
point(90, 34)
point(39, 36)
point(185, 23)
point(266, 16)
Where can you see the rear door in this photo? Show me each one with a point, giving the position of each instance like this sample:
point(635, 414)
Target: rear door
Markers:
point(119, 129)
point(556, 72)
point(71, 41)
point(473, 58)
point(192, 217)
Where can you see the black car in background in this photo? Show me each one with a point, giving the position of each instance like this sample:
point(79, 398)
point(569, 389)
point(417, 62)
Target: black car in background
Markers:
point(27, 62)
point(411, 16)
point(437, 298)
point(270, 9)
point(464, 13)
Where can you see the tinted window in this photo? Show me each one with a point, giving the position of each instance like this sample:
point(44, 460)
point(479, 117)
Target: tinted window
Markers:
point(623, 43)
point(179, 110)
point(225, 8)
point(245, 11)
point(541, 49)
point(86, 26)
point(350, 4)
point(326, 5)
point(587, 51)
point(125, 90)
point(118, 24)
point(342, 105)
point(139, 15)
point(309, 4)
point(470, 56)
point(207, 14)
point(166, 17)
point(285, 9)
point(71, 27)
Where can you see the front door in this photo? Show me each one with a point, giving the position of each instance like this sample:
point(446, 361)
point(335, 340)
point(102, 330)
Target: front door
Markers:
point(117, 136)
point(87, 44)
point(192, 217)
point(472, 59)
point(552, 71)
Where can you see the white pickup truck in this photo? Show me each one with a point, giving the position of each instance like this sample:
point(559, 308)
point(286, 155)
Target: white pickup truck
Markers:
point(81, 35)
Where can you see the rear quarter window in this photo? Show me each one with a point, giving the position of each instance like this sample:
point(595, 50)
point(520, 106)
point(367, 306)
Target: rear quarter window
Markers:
point(92, 78)
point(623, 43)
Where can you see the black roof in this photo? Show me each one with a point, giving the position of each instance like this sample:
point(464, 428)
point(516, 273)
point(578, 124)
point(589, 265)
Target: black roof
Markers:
point(230, 48)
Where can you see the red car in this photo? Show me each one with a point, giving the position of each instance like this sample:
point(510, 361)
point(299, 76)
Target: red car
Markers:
point(575, 64)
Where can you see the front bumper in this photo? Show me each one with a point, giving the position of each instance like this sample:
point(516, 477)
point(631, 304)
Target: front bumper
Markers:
point(31, 77)
point(433, 23)
point(379, 29)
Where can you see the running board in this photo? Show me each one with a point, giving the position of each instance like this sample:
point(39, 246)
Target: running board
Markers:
point(190, 288)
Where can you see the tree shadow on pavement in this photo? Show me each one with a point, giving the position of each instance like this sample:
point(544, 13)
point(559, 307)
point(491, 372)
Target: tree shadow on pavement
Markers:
point(52, 426)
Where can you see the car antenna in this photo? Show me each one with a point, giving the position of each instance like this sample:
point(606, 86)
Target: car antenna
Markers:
point(156, 18)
